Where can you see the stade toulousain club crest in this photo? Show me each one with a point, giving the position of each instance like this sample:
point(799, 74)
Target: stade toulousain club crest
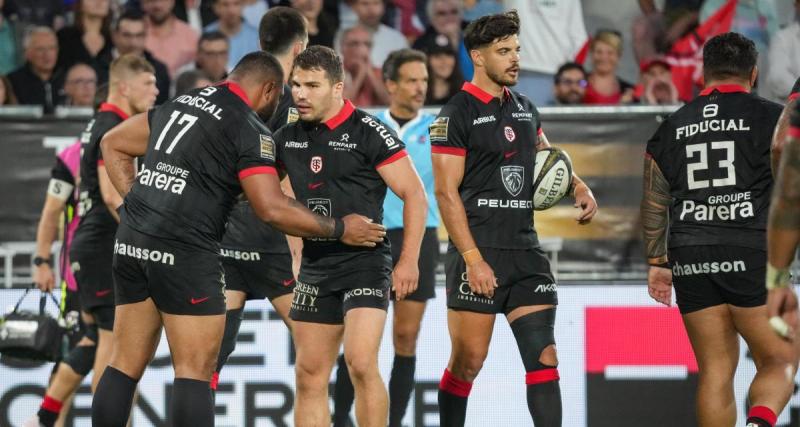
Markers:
point(509, 133)
point(316, 164)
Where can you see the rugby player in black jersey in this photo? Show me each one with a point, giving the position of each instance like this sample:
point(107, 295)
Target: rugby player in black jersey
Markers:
point(707, 184)
point(256, 257)
point(484, 144)
point(340, 160)
point(204, 149)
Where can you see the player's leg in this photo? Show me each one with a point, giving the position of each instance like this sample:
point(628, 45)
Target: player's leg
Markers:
point(407, 319)
point(776, 365)
point(234, 309)
point(363, 329)
point(716, 348)
point(282, 305)
point(137, 330)
point(317, 345)
point(105, 326)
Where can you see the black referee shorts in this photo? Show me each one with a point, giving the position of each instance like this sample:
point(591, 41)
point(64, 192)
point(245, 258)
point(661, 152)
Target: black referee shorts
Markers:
point(92, 270)
point(523, 278)
point(706, 276)
point(180, 278)
point(428, 259)
point(258, 274)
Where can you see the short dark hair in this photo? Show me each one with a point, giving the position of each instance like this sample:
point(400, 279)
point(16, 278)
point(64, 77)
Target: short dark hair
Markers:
point(321, 58)
point(729, 55)
point(566, 67)
point(259, 65)
point(188, 79)
point(279, 28)
point(396, 59)
point(212, 36)
point(129, 15)
point(486, 29)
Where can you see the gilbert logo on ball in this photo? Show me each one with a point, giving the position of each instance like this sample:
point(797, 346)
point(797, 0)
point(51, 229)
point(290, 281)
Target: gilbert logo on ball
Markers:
point(552, 177)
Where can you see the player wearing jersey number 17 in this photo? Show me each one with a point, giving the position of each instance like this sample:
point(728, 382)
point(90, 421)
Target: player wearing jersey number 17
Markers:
point(167, 269)
point(707, 183)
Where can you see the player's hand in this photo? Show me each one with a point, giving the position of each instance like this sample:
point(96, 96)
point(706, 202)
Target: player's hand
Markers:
point(659, 285)
point(584, 200)
point(481, 279)
point(43, 278)
point(405, 278)
point(361, 231)
point(782, 311)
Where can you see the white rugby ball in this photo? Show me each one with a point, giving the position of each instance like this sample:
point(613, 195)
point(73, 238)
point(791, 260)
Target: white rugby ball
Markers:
point(552, 177)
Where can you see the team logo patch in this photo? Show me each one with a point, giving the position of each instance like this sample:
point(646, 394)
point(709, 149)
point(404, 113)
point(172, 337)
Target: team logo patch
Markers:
point(316, 164)
point(438, 129)
point(267, 147)
point(320, 206)
point(509, 133)
point(513, 177)
point(293, 115)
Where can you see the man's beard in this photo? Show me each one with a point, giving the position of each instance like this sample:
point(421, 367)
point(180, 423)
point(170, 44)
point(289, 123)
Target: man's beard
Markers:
point(501, 78)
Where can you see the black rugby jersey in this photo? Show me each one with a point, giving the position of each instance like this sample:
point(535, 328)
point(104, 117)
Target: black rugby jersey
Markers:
point(333, 167)
point(499, 142)
point(245, 231)
point(715, 154)
point(201, 144)
point(97, 225)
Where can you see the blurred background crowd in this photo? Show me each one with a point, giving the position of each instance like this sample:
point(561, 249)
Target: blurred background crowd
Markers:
point(574, 52)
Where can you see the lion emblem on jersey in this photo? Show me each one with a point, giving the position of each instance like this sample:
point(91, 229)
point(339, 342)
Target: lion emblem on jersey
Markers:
point(513, 177)
point(320, 206)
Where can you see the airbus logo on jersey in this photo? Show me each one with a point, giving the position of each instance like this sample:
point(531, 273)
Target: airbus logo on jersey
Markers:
point(513, 177)
point(484, 119)
point(296, 144)
point(316, 164)
point(382, 130)
point(727, 207)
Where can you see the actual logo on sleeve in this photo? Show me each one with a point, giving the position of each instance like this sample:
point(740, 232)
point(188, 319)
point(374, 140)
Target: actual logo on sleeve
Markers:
point(292, 116)
point(320, 206)
point(438, 129)
point(509, 134)
point(267, 147)
point(316, 164)
point(513, 177)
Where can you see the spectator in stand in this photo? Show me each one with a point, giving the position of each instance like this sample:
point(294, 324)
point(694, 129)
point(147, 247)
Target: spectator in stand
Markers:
point(129, 38)
point(169, 39)
point(80, 86)
point(321, 25)
point(552, 33)
point(385, 39)
point(38, 81)
point(40, 13)
point(89, 40)
point(191, 79)
point(406, 18)
point(253, 10)
point(7, 96)
point(446, 23)
point(570, 83)
point(755, 19)
point(656, 86)
point(604, 86)
point(363, 83)
point(242, 37)
point(444, 76)
point(784, 59)
point(9, 55)
point(474, 9)
point(212, 56)
point(656, 30)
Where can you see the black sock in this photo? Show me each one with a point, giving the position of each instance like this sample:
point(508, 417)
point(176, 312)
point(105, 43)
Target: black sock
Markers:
point(192, 405)
point(113, 399)
point(343, 394)
point(544, 404)
point(47, 418)
point(400, 385)
point(453, 395)
point(233, 321)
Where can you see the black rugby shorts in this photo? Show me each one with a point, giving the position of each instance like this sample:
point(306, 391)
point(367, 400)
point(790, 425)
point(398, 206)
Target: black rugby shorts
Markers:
point(92, 270)
point(523, 278)
point(180, 278)
point(259, 275)
point(706, 276)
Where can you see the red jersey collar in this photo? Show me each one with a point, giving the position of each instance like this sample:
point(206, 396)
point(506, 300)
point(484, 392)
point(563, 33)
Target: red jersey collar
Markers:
point(109, 107)
point(726, 88)
point(481, 94)
point(237, 90)
point(347, 110)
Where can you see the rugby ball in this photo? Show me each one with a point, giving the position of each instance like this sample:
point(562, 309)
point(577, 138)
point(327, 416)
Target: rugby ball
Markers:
point(552, 177)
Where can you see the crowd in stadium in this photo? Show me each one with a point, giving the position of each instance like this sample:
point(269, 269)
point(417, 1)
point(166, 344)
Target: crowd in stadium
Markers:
point(57, 52)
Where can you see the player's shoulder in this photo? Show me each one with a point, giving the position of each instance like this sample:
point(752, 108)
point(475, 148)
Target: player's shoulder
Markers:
point(375, 128)
point(521, 99)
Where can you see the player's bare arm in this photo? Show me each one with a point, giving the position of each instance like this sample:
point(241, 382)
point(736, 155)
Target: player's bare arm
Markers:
point(655, 222)
point(403, 180)
point(292, 217)
point(121, 145)
point(779, 137)
point(584, 199)
point(46, 233)
point(295, 243)
point(448, 171)
point(783, 236)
